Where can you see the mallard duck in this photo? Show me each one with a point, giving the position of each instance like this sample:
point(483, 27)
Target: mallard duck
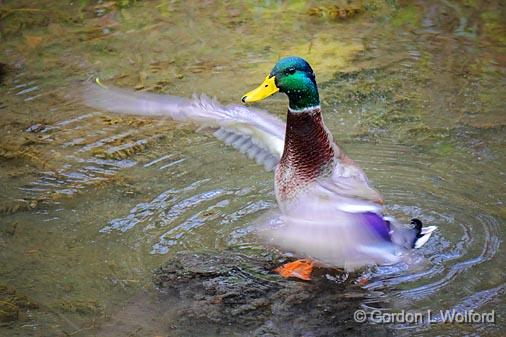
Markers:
point(328, 212)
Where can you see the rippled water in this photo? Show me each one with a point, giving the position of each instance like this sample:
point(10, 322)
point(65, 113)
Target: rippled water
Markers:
point(91, 203)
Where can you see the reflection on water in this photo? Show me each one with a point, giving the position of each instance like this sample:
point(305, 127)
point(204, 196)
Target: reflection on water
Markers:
point(91, 203)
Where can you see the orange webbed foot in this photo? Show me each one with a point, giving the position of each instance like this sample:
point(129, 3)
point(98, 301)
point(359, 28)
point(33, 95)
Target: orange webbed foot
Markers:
point(362, 281)
point(300, 269)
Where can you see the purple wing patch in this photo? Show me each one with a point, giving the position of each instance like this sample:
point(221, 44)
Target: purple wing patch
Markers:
point(379, 225)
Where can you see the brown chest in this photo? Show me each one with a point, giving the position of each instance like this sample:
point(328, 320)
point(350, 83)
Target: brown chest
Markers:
point(307, 155)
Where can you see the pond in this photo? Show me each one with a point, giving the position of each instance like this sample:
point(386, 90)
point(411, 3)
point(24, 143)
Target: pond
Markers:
point(92, 203)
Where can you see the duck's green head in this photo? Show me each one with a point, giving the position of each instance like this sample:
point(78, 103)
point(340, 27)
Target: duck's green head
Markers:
point(293, 76)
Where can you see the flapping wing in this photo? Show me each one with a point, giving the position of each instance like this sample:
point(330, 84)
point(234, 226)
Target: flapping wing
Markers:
point(349, 181)
point(344, 240)
point(254, 132)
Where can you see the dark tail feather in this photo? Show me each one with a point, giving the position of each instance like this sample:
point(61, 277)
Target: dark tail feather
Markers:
point(422, 233)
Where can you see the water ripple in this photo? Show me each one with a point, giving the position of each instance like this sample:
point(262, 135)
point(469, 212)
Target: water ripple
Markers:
point(144, 211)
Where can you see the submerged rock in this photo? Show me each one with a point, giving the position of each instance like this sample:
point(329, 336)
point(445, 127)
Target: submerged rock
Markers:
point(3, 71)
point(13, 304)
point(231, 293)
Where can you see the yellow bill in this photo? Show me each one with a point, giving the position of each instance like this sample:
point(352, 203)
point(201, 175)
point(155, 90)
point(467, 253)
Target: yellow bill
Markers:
point(267, 88)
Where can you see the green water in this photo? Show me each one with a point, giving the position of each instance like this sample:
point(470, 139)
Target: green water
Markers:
point(91, 203)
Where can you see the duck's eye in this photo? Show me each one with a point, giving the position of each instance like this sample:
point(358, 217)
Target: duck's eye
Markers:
point(290, 71)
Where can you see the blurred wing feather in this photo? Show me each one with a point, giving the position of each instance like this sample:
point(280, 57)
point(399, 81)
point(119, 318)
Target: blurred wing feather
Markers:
point(346, 240)
point(349, 181)
point(253, 132)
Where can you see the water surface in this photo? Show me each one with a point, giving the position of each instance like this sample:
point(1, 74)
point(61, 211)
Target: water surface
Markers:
point(91, 202)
